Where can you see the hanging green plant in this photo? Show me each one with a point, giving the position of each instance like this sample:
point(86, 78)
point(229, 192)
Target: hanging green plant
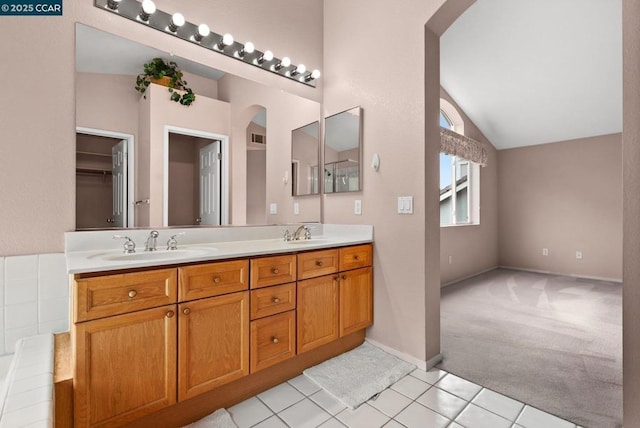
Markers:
point(167, 74)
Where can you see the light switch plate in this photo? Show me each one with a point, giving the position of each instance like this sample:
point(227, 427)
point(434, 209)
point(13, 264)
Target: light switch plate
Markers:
point(357, 207)
point(296, 208)
point(405, 204)
point(273, 208)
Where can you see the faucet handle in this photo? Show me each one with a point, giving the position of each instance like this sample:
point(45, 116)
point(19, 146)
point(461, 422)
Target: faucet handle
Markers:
point(129, 245)
point(286, 235)
point(172, 243)
point(307, 233)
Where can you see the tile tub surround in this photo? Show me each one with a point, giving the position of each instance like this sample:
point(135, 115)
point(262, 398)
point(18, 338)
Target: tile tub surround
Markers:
point(85, 251)
point(434, 398)
point(34, 297)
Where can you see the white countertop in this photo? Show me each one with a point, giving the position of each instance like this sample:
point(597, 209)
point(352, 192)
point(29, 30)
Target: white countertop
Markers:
point(97, 251)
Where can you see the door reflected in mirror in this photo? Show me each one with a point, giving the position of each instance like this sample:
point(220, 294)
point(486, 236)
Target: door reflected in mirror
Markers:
point(257, 167)
point(103, 169)
point(305, 146)
point(342, 152)
point(194, 180)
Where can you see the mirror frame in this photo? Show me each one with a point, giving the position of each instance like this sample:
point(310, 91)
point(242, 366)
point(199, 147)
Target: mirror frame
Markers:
point(357, 109)
point(294, 179)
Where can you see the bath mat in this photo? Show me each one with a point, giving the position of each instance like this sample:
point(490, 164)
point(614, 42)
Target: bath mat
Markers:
point(357, 375)
point(218, 419)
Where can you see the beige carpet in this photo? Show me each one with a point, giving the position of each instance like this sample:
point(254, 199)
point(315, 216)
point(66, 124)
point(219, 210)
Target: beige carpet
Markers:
point(553, 342)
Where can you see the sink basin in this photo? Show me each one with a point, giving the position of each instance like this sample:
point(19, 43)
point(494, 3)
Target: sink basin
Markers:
point(153, 255)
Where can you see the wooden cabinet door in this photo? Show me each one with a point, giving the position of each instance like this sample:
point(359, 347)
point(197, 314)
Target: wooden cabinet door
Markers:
point(125, 367)
point(213, 346)
point(356, 300)
point(317, 312)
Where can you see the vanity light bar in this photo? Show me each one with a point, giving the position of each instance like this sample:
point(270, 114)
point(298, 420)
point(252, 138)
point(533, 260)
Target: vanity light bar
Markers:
point(177, 26)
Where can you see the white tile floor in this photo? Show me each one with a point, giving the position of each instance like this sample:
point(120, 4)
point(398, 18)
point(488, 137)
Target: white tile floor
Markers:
point(422, 400)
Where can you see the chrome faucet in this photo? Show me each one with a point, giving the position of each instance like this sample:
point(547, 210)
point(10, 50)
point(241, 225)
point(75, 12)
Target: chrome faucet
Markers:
point(297, 235)
point(150, 243)
point(129, 245)
point(172, 243)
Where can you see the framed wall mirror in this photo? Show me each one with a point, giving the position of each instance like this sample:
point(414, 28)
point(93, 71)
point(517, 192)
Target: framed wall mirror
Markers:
point(305, 150)
point(343, 152)
point(156, 184)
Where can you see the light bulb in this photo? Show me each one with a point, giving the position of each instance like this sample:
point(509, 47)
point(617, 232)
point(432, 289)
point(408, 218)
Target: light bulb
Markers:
point(266, 56)
point(148, 8)
point(312, 76)
point(203, 31)
point(249, 48)
point(300, 69)
point(246, 49)
point(177, 20)
point(227, 39)
point(284, 62)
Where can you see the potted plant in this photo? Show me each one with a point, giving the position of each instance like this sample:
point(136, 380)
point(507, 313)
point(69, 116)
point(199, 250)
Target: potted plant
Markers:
point(167, 74)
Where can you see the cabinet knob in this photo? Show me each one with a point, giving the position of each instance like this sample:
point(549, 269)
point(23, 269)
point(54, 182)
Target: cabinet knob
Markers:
point(170, 314)
point(132, 294)
point(274, 339)
point(275, 271)
point(318, 263)
point(344, 277)
point(356, 257)
point(216, 280)
point(186, 311)
point(275, 300)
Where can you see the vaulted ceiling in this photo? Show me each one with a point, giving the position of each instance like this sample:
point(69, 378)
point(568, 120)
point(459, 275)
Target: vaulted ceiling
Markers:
point(531, 72)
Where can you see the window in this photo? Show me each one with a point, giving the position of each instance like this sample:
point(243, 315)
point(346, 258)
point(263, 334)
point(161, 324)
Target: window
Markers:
point(459, 190)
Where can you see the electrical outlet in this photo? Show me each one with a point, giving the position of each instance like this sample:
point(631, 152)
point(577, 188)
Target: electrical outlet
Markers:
point(273, 208)
point(450, 259)
point(545, 251)
point(296, 208)
point(357, 207)
point(579, 255)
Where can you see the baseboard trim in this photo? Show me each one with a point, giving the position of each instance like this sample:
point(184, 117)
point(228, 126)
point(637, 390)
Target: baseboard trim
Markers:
point(455, 281)
point(421, 364)
point(595, 278)
point(431, 363)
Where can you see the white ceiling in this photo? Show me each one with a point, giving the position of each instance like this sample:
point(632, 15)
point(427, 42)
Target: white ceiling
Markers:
point(536, 71)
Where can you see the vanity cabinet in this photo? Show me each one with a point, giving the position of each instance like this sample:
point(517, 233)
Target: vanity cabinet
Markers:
point(334, 305)
point(144, 340)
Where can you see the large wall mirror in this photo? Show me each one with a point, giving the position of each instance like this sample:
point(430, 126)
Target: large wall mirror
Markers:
point(138, 159)
point(305, 150)
point(343, 152)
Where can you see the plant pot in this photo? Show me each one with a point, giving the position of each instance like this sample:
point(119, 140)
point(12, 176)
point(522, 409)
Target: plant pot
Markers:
point(163, 81)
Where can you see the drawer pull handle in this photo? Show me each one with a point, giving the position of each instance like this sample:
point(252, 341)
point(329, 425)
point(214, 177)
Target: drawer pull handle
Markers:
point(132, 294)
point(186, 311)
point(344, 277)
point(274, 339)
point(275, 271)
point(319, 263)
point(170, 314)
point(275, 300)
point(356, 257)
point(216, 280)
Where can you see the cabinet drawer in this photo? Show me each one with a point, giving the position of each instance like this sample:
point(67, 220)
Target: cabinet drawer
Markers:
point(107, 295)
point(272, 300)
point(212, 279)
point(273, 270)
point(273, 339)
point(317, 263)
point(355, 257)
